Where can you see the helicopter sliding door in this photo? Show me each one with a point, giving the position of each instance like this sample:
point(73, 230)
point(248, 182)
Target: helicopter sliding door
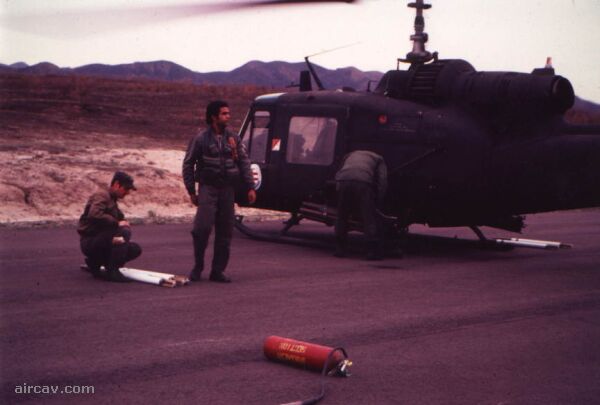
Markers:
point(312, 147)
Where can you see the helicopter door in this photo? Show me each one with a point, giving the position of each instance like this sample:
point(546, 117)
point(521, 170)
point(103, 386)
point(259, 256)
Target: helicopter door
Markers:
point(256, 137)
point(312, 148)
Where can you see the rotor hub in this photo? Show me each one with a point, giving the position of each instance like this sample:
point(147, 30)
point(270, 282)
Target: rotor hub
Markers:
point(419, 54)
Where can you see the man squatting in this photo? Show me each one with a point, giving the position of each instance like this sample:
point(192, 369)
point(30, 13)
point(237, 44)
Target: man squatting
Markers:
point(215, 159)
point(104, 233)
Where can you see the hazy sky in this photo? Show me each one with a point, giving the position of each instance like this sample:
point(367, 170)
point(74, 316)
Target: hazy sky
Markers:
point(514, 35)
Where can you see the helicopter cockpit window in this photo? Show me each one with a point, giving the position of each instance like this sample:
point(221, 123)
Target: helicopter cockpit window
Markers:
point(311, 140)
point(256, 136)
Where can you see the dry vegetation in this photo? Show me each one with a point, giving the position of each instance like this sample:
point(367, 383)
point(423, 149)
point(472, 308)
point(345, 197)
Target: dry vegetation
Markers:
point(61, 137)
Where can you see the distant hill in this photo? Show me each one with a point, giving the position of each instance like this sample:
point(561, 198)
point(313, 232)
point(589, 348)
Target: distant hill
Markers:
point(583, 112)
point(272, 74)
point(255, 73)
point(585, 105)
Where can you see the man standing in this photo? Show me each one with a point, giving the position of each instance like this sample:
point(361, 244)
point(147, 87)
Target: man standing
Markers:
point(361, 185)
point(104, 233)
point(215, 159)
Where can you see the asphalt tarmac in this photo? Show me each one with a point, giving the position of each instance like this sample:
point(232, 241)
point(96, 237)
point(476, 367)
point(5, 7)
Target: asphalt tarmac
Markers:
point(449, 323)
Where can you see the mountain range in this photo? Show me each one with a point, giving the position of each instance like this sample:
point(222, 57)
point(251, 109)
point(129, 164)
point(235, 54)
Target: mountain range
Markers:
point(275, 74)
point(272, 74)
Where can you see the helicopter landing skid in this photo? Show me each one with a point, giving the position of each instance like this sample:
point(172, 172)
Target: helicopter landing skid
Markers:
point(277, 237)
point(479, 234)
point(532, 243)
point(518, 242)
point(294, 220)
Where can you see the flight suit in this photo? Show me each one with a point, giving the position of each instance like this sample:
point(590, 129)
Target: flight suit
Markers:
point(97, 227)
point(361, 185)
point(216, 163)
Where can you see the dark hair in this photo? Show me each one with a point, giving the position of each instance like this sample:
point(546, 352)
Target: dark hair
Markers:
point(123, 179)
point(213, 108)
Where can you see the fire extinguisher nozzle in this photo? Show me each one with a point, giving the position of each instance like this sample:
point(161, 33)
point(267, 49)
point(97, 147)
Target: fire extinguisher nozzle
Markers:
point(343, 368)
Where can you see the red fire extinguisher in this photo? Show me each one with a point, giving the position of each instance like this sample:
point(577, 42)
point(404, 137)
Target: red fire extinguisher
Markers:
point(329, 360)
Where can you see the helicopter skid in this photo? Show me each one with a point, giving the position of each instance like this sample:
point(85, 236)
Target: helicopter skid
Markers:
point(532, 243)
point(326, 240)
point(278, 237)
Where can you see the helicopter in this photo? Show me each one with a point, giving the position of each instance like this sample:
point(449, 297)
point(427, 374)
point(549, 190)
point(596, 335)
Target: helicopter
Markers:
point(464, 148)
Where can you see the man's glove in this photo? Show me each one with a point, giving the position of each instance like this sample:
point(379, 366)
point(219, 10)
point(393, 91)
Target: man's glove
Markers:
point(251, 196)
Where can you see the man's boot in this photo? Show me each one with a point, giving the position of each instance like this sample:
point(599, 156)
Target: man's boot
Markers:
point(219, 278)
point(92, 266)
point(116, 276)
point(340, 250)
point(375, 251)
point(341, 246)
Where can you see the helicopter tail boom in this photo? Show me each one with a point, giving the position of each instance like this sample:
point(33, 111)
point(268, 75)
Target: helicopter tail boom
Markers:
point(553, 173)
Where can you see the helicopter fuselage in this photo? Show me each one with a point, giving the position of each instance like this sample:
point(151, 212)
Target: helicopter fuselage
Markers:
point(449, 164)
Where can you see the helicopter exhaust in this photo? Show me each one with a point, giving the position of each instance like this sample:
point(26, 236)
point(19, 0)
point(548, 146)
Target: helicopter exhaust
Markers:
point(456, 81)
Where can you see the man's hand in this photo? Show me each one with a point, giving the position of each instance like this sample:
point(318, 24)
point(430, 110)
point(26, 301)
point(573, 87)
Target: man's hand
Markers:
point(118, 240)
point(251, 196)
point(123, 223)
point(194, 199)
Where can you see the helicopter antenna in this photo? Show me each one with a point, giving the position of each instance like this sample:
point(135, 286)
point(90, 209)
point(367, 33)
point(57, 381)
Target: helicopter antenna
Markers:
point(334, 49)
point(311, 68)
point(419, 54)
point(314, 74)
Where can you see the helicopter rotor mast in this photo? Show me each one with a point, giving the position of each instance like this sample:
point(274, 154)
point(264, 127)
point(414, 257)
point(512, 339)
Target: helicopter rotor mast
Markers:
point(419, 55)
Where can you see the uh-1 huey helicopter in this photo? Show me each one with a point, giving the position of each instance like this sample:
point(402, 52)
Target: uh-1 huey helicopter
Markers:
point(463, 147)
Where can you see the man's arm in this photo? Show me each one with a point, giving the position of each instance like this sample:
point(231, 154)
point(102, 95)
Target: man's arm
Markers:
point(97, 212)
point(189, 164)
point(245, 171)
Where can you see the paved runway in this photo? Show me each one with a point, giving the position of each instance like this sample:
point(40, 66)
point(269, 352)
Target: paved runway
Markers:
point(447, 324)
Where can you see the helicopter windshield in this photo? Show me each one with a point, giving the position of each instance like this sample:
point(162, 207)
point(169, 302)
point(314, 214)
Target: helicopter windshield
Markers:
point(311, 140)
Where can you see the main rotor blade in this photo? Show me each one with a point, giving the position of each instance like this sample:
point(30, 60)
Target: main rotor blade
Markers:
point(80, 22)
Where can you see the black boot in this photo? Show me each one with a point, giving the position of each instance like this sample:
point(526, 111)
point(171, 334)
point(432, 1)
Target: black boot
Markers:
point(93, 267)
point(195, 274)
point(340, 251)
point(219, 278)
point(375, 251)
point(341, 247)
point(116, 276)
point(374, 255)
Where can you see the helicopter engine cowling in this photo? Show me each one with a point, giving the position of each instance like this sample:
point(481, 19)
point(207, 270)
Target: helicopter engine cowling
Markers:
point(521, 92)
point(456, 81)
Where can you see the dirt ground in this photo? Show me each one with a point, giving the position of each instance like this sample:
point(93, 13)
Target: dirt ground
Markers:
point(49, 179)
point(45, 180)
point(61, 139)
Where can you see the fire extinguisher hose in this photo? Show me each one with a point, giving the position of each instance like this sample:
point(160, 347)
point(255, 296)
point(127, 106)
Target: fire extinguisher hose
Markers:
point(321, 395)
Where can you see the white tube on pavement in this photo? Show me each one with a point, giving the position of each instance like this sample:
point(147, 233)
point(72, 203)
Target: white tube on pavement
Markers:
point(141, 276)
point(151, 273)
